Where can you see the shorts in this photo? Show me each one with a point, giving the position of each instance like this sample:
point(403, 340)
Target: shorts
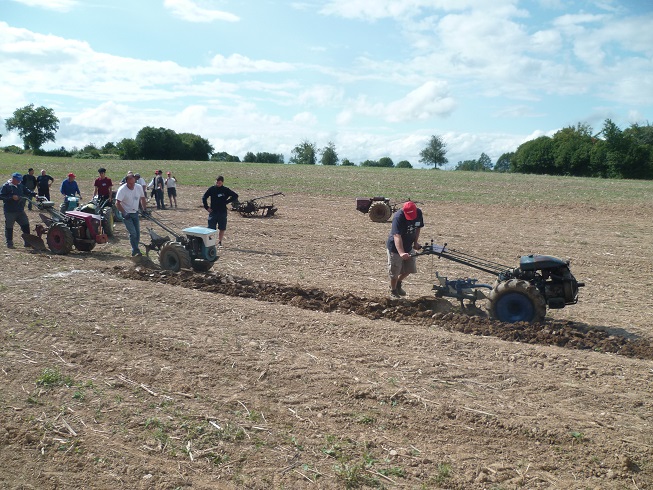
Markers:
point(397, 266)
point(219, 219)
point(172, 192)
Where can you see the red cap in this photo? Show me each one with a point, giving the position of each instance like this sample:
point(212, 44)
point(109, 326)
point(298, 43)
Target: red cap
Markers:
point(71, 175)
point(410, 210)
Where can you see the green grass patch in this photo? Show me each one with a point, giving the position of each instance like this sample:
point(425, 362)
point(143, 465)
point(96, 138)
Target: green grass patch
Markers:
point(51, 377)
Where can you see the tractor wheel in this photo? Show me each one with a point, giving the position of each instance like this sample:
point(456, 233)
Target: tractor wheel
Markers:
point(516, 301)
point(202, 265)
point(60, 239)
point(379, 212)
point(174, 257)
point(107, 221)
point(84, 245)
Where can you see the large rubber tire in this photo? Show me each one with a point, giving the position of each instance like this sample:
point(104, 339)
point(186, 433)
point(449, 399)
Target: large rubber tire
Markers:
point(379, 212)
point(84, 245)
point(60, 239)
point(107, 221)
point(516, 300)
point(202, 265)
point(174, 257)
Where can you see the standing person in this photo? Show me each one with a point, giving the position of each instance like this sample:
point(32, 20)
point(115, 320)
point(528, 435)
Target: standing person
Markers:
point(29, 181)
point(103, 186)
point(171, 185)
point(220, 197)
point(406, 224)
point(43, 183)
point(128, 198)
point(70, 188)
point(13, 194)
point(159, 184)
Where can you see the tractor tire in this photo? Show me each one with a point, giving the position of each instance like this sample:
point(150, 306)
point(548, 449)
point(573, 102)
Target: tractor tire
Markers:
point(516, 300)
point(174, 257)
point(60, 239)
point(107, 221)
point(202, 265)
point(379, 212)
point(84, 245)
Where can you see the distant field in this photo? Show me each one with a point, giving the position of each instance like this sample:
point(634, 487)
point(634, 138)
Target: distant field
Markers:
point(417, 184)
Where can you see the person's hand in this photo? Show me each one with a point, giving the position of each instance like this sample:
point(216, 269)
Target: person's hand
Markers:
point(15, 197)
point(417, 246)
point(405, 256)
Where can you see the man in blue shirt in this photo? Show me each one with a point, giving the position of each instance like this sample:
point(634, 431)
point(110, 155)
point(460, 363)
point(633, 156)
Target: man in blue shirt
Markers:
point(14, 194)
point(69, 188)
point(406, 224)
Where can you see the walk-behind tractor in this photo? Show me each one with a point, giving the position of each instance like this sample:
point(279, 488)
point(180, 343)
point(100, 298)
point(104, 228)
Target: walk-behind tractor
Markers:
point(103, 207)
point(70, 228)
point(379, 209)
point(256, 206)
point(196, 249)
point(521, 294)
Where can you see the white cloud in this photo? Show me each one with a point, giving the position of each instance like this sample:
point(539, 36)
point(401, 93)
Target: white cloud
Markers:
point(189, 11)
point(305, 119)
point(431, 99)
point(58, 5)
point(237, 63)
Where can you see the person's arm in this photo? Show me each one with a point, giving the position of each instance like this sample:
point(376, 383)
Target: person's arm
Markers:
point(205, 199)
point(232, 197)
point(120, 208)
point(399, 243)
point(416, 244)
point(95, 190)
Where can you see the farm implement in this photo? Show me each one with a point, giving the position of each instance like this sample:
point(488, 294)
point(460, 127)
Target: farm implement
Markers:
point(63, 230)
point(520, 294)
point(195, 249)
point(379, 209)
point(256, 206)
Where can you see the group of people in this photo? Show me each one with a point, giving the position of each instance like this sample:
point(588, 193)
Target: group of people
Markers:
point(401, 244)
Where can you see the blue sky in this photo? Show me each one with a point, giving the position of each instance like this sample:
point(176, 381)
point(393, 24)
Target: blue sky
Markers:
point(375, 77)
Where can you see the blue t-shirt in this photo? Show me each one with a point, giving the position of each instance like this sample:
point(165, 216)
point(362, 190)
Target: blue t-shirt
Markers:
point(406, 228)
point(70, 188)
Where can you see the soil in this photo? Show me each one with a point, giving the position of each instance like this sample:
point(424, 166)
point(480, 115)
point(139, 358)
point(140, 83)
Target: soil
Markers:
point(288, 366)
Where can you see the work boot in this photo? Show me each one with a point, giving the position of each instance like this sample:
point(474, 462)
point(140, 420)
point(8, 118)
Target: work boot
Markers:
point(394, 294)
point(399, 290)
point(10, 245)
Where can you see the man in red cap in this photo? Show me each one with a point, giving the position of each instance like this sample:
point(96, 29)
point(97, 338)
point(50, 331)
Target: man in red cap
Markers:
point(406, 224)
point(69, 188)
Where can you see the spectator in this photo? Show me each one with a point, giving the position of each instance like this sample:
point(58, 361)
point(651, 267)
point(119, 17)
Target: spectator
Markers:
point(14, 194)
point(43, 183)
point(171, 185)
point(220, 197)
point(29, 182)
point(159, 184)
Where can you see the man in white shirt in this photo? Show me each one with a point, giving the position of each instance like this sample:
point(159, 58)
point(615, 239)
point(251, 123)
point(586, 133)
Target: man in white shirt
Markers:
point(171, 185)
point(128, 197)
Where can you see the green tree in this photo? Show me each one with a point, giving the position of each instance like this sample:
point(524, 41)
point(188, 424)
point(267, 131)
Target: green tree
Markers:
point(329, 155)
point(572, 147)
point(35, 126)
point(503, 163)
point(128, 149)
point(370, 163)
point(223, 156)
point(304, 154)
point(404, 164)
point(346, 162)
point(249, 157)
point(485, 162)
point(267, 157)
point(386, 162)
point(195, 147)
point(435, 153)
point(535, 157)
point(109, 148)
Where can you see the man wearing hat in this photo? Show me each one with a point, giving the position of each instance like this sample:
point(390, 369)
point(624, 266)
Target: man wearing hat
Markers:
point(102, 185)
point(406, 224)
point(14, 195)
point(69, 187)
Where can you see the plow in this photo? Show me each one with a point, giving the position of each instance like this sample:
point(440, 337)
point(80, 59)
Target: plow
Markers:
point(256, 206)
point(379, 209)
point(520, 294)
point(65, 230)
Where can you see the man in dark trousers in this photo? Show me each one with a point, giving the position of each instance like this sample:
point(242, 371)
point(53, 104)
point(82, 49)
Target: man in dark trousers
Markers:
point(14, 194)
point(406, 224)
point(159, 184)
point(29, 181)
point(43, 183)
point(220, 197)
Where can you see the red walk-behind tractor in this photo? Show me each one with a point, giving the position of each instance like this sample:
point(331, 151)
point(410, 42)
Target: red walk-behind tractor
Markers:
point(520, 294)
point(68, 229)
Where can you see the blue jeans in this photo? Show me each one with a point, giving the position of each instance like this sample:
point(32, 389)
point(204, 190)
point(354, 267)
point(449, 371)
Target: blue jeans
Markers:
point(133, 225)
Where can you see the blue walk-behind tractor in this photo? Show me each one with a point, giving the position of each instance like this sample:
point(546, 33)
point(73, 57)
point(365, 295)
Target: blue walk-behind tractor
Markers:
point(195, 249)
point(519, 294)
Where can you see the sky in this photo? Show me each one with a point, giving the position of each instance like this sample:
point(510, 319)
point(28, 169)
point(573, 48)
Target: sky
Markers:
point(377, 78)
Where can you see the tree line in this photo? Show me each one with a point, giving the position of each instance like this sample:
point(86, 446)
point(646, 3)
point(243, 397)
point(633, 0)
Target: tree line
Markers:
point(574, 150)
